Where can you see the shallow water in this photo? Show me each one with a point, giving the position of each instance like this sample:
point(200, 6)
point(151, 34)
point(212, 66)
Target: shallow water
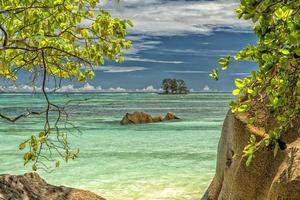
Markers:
point(163, 161)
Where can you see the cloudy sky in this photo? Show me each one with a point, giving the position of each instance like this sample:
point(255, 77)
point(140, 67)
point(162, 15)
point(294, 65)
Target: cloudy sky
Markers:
point(172, 39)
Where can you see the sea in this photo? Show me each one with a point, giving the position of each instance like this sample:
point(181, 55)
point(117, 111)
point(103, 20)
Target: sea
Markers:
point(172, 160)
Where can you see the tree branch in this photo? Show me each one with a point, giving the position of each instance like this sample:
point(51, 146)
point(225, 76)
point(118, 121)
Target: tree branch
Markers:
point(47, 125)
point(5, 36)
point(24, 115)
point(21, 9)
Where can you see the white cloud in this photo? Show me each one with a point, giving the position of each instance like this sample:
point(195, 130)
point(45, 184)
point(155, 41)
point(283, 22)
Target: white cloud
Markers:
point(117, 89)
point(90, 88)
point(67, 89)
point(22, 88)
point(141, 43)
point(188, 72)
point(149, 88)
point(206, 88)
point(200, 52)
point(115, 69)
point(138, 59)
point(86, 88)
point(241, 74)
point(162, 17)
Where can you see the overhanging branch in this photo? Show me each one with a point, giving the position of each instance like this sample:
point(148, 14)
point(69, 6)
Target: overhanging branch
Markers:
point(24, 115)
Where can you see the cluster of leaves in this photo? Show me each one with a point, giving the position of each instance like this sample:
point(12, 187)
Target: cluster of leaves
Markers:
point(35, 146)
point(69, 34)
point(61, 39)
point(277, 81)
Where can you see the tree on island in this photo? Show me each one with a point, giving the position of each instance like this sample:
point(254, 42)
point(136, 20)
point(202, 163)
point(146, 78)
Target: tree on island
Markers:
point(49, 40)
point(174, 86)
point(166, 85)
point(181, 87)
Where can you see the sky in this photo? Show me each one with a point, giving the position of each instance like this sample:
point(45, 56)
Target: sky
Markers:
point(180, 39)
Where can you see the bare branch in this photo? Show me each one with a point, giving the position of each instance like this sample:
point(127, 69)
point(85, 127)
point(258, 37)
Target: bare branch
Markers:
point(24, 115)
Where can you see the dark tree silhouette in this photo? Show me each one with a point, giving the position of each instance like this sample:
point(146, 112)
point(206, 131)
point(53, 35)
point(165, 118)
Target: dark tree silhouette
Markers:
point(173, 86)
point(166, 85)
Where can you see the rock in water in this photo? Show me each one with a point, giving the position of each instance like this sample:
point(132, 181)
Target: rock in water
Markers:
point(157, 119)
point(31, 186)
point(170, 116)
point(144, 118)
point(136, 118)
point(267, 178)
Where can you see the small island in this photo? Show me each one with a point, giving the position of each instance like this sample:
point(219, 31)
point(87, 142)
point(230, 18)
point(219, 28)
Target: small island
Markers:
point(174, 86)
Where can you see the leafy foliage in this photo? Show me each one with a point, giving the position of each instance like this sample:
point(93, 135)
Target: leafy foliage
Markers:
point(276, 83)
point(250, 149)
point(67, 31)
point(60, 39)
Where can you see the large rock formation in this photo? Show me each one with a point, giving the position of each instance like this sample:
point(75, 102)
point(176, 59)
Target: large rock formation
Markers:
point(31, 186)
point(267, 178)
point(142, 118)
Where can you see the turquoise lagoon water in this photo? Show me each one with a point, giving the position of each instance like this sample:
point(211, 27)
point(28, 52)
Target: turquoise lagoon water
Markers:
point(163, 161)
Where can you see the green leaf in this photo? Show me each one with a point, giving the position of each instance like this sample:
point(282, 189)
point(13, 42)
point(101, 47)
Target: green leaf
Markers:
point(129, 23)
point(249, 160)
point(250, 91)
point(215, 74)
point(275, 102)
point(22, 146)
point(239, 83)
point(91, 74)
point(223, 61)
point(239, 12)
point(252, 139)
point(57, 163)
point(252, 120)
point(288, 13)
point(236, 92)
point(224, 67)
point(91, 14)
point(42, 134)
point(34, 167)
point(279, 13)
point(267, 57)
point(27, 157)
point(85, 33)
point(243, 108)
point(285, 51)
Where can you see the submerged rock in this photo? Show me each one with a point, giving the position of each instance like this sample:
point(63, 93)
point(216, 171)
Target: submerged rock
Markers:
point(136, 118)
point(143, 118)
point(267, 178)
point(31, 186)
point(170, 116)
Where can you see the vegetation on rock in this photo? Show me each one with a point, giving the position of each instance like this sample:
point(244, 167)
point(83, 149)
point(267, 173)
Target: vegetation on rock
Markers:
point(276, 84)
